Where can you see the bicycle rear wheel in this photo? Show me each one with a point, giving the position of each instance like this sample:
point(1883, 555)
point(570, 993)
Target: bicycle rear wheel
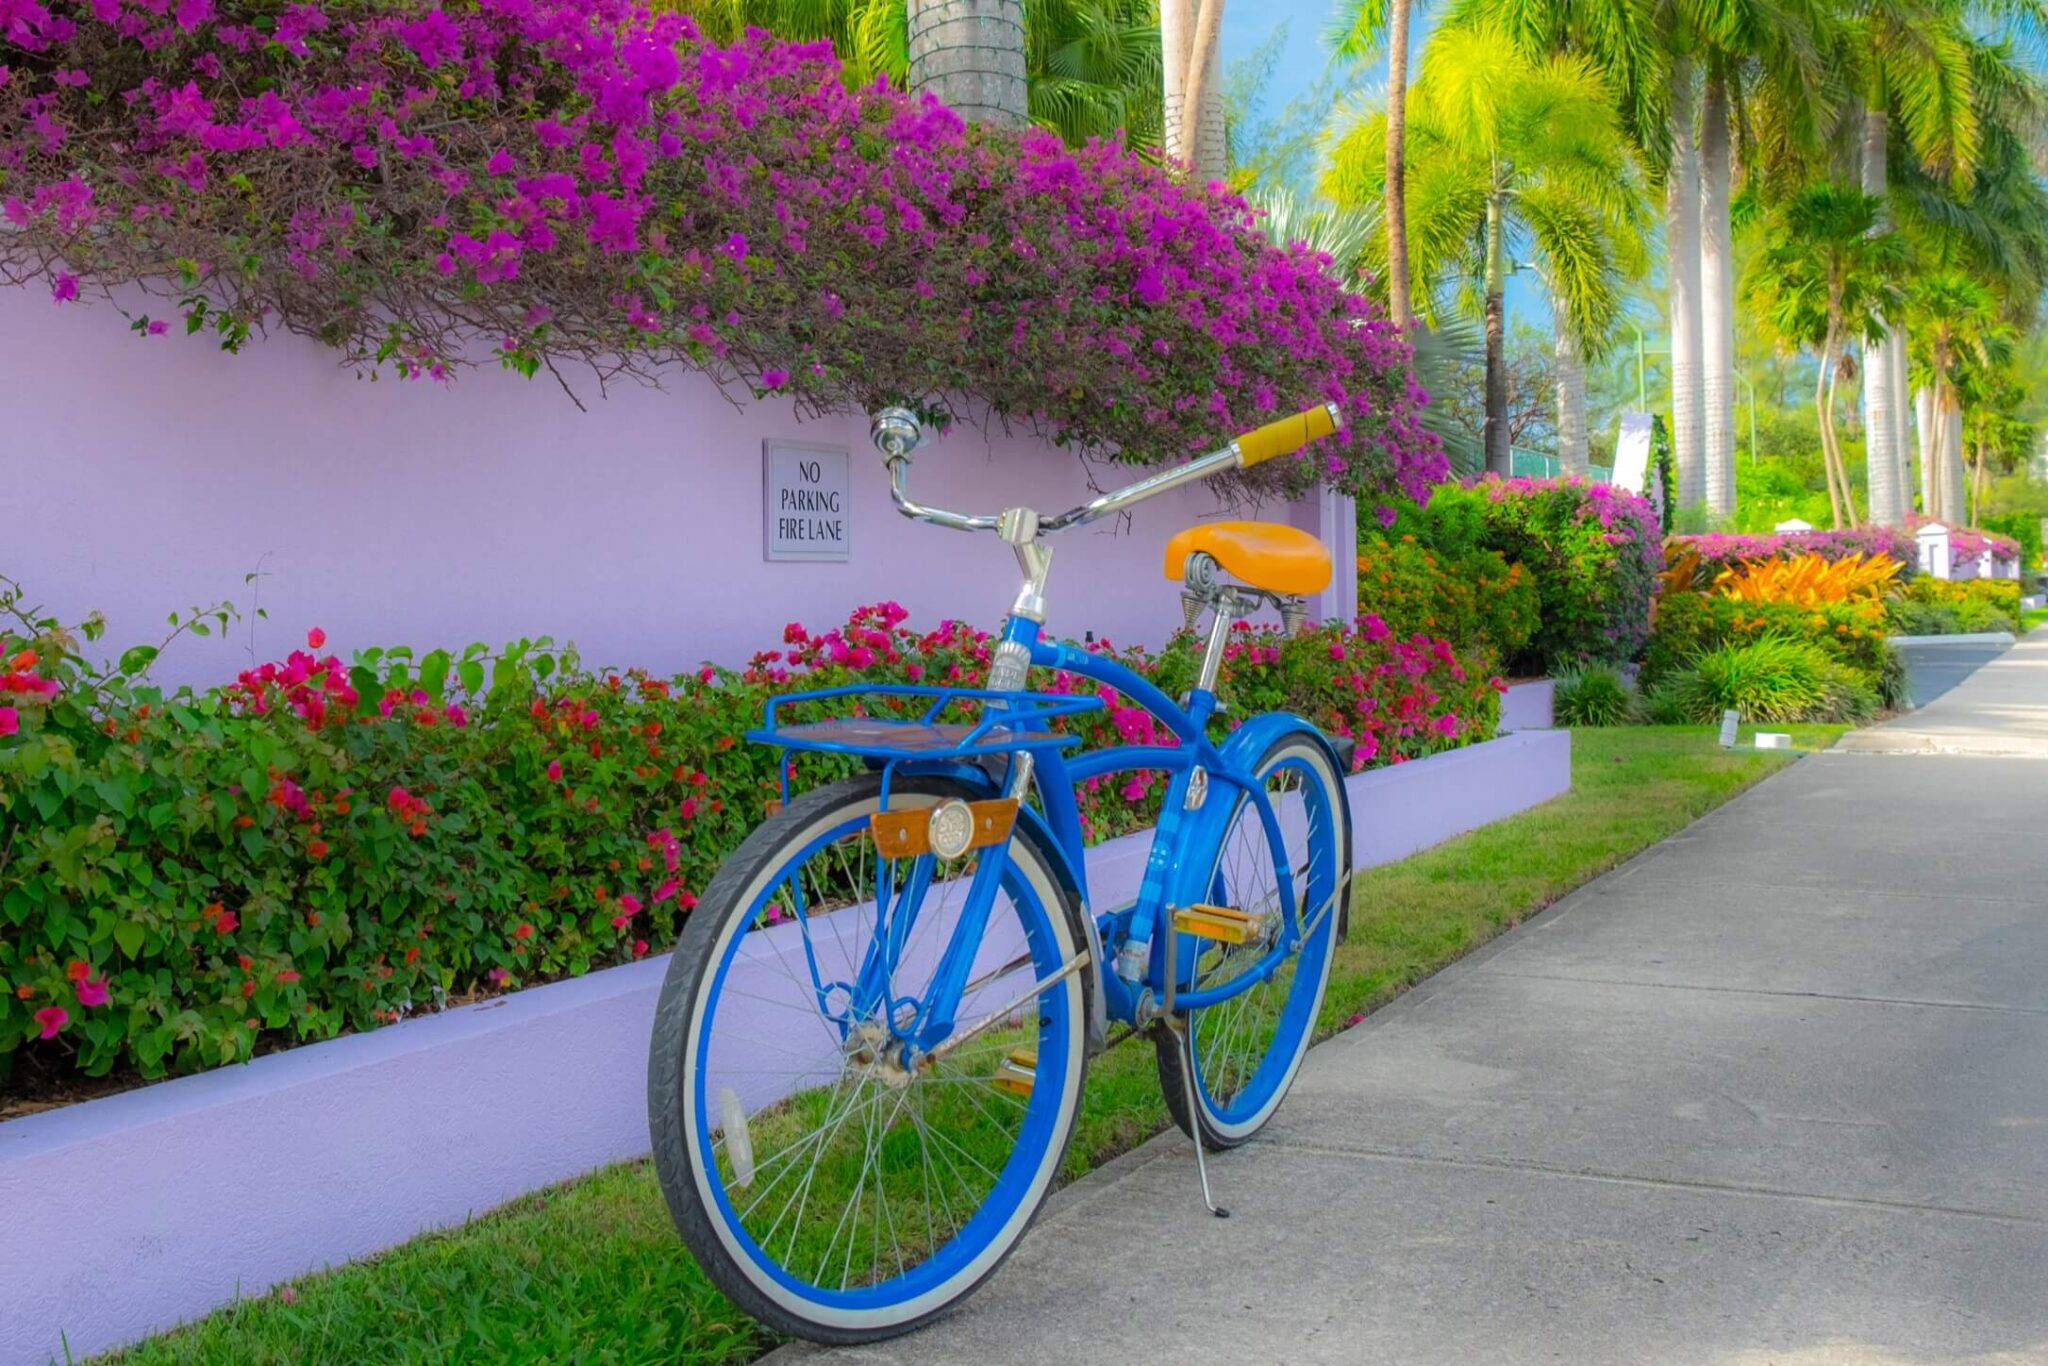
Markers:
point(1248, 1047)
point(839, 1185)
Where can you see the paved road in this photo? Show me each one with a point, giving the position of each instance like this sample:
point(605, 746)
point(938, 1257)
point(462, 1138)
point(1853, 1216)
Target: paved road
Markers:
point(1996, 709)
point(1776, 1091)
point(1934, 665)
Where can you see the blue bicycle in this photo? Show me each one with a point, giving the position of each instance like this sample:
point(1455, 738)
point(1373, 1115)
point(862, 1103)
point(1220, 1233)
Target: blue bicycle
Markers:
point(869, 1049)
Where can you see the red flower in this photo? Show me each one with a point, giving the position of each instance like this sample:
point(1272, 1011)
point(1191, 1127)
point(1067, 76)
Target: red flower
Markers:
point(52, 1019)
point(315, 638)
point(639, 948)
point(224, 921)
point(77, 970)
point(524, 931)
point(249, 987)
point(318, 849)
point(24, 661)
point(412, 955)
point(288, 975)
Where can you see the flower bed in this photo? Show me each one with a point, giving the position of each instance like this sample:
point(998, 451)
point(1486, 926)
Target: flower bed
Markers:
point(326, 846)
point(1940, 607)
point(1724, 550)
point(1691, 626)
point(551, 183)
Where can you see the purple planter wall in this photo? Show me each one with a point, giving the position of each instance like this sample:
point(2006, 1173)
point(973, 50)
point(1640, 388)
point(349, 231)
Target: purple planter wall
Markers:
point(1527, 706)
point(149, 475)
point(125, 1215)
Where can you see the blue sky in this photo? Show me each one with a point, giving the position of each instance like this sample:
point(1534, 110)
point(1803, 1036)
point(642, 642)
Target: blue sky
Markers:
point(1249, 23)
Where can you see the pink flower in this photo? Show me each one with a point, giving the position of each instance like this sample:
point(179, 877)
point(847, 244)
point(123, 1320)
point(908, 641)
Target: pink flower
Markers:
point(555, 770)
point(10, 720)
point(619, 922)
point(1447, 725)
point(315, 638)
point(52, 1019)
point(639, 948)
point(498, 976)
point(92, 992)
point(630, 904)
point(666, 890)
point(706, 674)
point(63, 291)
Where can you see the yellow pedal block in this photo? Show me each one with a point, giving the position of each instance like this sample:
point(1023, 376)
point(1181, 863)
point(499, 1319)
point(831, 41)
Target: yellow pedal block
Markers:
point(1017, 1073)
point(1224, 924)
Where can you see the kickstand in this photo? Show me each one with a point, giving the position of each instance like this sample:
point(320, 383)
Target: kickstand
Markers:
point(1185, 1034)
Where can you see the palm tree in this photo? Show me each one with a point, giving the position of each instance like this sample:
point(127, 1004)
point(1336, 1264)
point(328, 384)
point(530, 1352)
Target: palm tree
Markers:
point(1092, 66)
point(1751, 50)
point(1962, 342)
point(1510, 151)
point(1357, 32)
point(1826, 278)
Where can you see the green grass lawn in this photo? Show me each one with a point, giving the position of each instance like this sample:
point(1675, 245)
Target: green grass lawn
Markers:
point(2032, 617)
point(592, 1271)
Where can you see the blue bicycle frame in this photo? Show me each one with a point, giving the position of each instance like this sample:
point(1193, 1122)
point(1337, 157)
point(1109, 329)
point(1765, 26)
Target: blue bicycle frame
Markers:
point(1015, 723)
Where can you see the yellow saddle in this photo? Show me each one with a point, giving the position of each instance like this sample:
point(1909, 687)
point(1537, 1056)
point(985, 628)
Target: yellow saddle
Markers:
point(1268, 555)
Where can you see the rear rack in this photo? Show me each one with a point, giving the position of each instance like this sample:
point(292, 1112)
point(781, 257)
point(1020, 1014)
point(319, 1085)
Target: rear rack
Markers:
point(1009, 721)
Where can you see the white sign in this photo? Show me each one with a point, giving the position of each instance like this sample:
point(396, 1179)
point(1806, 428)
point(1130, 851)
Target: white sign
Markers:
point(806, 505)
point(1632, 453)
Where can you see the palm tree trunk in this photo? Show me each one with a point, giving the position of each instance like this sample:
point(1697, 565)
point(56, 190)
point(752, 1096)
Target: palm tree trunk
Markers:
point(1717, 302)
point(1499, 457)
point(1902, 422)
point(1396, 200)
point(1682, 235)
point(1824, 423)
point(1952, 458)
point(1880, 399)
point(1571, 401)
point(1208, 157)
point(1929, 446)
point(970, 54)
point(1176, 31)
point(1850, 516)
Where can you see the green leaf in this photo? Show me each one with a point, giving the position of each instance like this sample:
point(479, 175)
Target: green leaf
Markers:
point(434, 674)
point(472, 675)
point(134, 661)
point(115, 794)
point(128, 937)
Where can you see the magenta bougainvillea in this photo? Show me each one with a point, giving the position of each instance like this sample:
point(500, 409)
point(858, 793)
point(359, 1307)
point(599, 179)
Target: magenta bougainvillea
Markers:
point(1725, 550)
point(580, 181)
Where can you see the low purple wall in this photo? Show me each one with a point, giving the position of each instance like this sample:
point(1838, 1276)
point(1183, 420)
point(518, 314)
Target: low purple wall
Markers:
point(1528, 706)
point(125, 1215)
point(145, 476)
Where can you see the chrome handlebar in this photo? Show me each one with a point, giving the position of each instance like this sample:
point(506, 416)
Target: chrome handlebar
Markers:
point(896, 432)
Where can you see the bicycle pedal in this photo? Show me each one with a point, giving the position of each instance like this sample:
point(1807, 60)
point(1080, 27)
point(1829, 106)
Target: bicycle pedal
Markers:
point(1018, 1073)
point(1224, 924)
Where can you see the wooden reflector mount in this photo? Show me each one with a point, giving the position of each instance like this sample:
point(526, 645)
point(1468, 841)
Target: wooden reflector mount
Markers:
point(907, 831)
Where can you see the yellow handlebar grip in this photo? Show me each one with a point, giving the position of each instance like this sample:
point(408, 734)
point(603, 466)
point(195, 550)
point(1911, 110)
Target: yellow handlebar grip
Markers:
point(1286, 436)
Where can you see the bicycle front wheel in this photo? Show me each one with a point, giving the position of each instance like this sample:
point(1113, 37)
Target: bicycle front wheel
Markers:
point(838, 1180)
point(1247, 1047)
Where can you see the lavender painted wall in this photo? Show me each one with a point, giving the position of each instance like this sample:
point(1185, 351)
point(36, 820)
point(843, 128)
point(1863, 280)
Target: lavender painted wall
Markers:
point(141, 477)
point(121, 1216)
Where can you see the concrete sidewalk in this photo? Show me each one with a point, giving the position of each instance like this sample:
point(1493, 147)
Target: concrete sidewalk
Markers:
point(2000, 708)
point(1776, 1091)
